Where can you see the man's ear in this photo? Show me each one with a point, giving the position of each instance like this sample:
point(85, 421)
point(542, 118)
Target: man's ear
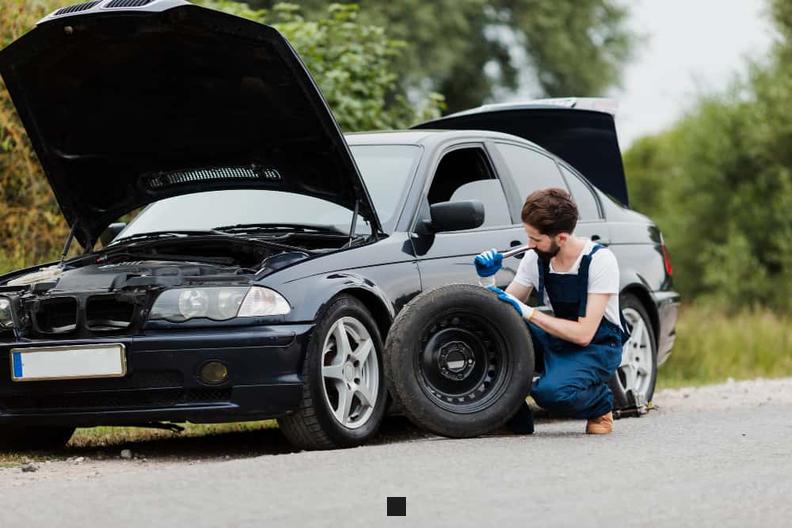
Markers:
point(561, 238)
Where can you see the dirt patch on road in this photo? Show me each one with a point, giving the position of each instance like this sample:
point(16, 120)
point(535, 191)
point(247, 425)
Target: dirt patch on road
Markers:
point(732, 394)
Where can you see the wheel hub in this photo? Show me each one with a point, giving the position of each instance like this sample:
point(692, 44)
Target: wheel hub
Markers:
point(456, 360)
point(349, 372)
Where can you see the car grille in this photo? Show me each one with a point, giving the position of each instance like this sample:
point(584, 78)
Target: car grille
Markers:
point(57, 316)
point(114, 400)
point(103, 314)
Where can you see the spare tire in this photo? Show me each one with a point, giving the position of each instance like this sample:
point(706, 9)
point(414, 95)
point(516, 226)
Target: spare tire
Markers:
point(459, 360)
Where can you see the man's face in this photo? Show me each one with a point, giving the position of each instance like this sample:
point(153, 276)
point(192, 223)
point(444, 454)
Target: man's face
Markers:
point(545, 246)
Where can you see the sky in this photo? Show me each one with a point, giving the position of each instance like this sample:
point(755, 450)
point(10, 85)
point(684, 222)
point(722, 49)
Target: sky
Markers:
point(691, 47)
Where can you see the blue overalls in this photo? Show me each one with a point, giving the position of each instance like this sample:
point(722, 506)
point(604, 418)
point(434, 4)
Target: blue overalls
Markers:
point(575, 379)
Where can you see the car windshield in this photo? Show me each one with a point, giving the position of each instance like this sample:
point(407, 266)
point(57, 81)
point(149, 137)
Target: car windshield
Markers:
point(386, 169)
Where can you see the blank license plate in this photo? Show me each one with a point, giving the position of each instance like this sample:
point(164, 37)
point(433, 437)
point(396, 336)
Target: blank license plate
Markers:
point(68, 362)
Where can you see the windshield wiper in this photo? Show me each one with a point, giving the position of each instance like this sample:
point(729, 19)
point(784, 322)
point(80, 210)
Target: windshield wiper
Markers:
point(165, 234)
point(277, 228)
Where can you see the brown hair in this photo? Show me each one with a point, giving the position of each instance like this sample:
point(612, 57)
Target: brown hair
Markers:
point(551, 211)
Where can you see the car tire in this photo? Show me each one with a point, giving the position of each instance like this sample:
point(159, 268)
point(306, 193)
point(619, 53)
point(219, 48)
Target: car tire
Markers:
point(634, 381)
point(34, 438)
point(331, 380)
point(459, 360)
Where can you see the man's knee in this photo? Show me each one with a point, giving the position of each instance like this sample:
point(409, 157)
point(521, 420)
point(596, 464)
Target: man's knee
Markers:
point(555, 396)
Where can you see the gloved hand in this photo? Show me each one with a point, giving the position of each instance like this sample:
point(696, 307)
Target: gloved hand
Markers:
point(488, 262)
point(525, 311)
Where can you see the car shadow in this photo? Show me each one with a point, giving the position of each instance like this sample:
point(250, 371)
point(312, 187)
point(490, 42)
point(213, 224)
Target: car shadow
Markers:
point(217, 445)
point(263, 441)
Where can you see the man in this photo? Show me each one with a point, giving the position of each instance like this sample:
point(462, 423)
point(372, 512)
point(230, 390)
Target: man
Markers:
point(581, 344)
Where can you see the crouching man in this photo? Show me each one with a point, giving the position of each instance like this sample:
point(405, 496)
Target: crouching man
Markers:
point(581, 344)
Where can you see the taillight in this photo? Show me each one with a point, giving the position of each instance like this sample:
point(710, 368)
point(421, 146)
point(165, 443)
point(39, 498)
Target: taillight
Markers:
point(667, 260)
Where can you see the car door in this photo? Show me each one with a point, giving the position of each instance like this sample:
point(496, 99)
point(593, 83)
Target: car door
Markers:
point(463, 172)
point(532, 169)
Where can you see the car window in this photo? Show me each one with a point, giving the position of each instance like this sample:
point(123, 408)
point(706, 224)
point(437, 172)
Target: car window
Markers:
point(387, 171)
point(581, 193)
point(530, 170)
point(465, 174)
point(207, 210)
point(490, 193)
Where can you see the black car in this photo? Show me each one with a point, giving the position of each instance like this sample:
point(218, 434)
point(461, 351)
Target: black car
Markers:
point(272, 255)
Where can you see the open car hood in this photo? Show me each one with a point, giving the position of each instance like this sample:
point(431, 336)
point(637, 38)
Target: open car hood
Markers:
point(126, 106)
point(582, 132)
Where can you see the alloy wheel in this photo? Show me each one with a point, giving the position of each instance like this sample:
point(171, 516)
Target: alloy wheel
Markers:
point(350, 372)
point(635, 371)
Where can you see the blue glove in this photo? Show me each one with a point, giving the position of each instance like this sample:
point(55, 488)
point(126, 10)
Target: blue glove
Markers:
point(488, 262)
point(525, 311)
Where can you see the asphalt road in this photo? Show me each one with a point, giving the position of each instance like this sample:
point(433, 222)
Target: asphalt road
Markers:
point(714, 457)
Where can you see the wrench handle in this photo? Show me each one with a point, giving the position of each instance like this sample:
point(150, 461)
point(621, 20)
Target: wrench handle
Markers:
point(515, 251)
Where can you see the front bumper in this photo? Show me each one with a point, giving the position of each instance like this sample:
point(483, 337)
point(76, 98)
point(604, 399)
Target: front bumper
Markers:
point(162, 384)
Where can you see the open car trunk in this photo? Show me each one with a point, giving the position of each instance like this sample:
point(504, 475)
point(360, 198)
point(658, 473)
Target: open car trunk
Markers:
point(586, 139)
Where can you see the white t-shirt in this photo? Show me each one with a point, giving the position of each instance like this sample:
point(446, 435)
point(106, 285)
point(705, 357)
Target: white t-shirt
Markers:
point(603, 277)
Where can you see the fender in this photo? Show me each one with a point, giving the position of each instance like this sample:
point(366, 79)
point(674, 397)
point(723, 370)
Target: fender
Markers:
point(311, 300)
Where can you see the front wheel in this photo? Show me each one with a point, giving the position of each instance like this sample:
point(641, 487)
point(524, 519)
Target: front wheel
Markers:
point(634, 380)
point(344, 392)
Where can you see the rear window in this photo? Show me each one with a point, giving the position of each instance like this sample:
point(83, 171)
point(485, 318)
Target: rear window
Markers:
point(530, 170)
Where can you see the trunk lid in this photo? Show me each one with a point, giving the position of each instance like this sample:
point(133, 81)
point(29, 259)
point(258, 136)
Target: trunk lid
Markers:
point(580, 131)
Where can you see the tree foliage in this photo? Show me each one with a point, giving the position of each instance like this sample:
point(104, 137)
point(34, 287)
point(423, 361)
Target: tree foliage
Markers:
point(352, 61)
point(719, 183)
point(31, 227)
point(471, 50)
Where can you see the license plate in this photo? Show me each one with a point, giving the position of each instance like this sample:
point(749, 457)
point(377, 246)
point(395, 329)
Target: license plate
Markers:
point(68, 362)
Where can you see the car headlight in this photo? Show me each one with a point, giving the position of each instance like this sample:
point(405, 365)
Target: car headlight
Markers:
point(218, 303)
point(6, 317)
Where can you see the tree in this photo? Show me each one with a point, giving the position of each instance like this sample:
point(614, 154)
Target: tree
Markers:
point(470, 50)
point(719, 183)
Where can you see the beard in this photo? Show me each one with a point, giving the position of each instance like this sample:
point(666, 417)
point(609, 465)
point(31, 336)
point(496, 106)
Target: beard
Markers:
point(547, 255)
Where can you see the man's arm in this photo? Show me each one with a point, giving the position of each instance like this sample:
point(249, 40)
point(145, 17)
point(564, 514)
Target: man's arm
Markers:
point(580, 332)
point(519, 291)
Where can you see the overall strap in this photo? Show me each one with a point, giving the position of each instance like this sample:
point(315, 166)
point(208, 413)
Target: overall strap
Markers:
point(544, 269)
point(583, 276)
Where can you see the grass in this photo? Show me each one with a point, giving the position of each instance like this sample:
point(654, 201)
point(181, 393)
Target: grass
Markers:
point(713, 346)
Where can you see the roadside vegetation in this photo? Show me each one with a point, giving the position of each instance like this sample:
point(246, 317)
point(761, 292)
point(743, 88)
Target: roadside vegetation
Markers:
point(713, 346)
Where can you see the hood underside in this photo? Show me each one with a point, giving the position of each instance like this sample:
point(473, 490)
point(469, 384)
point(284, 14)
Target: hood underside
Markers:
point(586, 139)
point(127, 107)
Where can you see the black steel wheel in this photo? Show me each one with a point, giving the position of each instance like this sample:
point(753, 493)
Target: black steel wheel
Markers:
point(459, 360)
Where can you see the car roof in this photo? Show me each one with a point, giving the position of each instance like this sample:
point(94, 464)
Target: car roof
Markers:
point(426, 136)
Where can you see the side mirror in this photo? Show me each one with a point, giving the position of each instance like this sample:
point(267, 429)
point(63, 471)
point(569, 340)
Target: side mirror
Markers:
point(111, 232)
point(456, 216)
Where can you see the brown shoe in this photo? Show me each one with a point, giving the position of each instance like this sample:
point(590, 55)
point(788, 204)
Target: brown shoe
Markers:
point(601, 425)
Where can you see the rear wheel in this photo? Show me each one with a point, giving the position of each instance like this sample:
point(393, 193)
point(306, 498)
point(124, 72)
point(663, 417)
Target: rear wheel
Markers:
point(634, 380)
point(344, 394)
point(34, 438)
